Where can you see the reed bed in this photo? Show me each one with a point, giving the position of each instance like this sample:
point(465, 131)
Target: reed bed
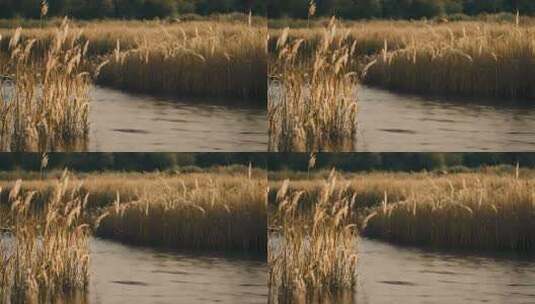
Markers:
point(206, 213)
point(484, 213)
point(467, 59)
point(44, 101)
point(485, 210)
point(473, 65)
point(44, 250)
point(223, 211)
point(312, 252)
point(202, 59)
point(312, 105)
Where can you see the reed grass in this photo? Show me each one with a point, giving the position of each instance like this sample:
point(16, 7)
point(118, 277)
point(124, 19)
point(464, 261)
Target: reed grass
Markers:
point(204, 212)
point(468, 59)
point(473, 65)
point(312, 251)
point(44, 101)
point(484, 214)
point(204, 59)
point(488, 209)
point(43, 254)
point(312, 106)
point(219, 210)
point(212, 62)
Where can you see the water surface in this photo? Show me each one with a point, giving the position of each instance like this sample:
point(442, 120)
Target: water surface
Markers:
point(124, 122)
point(394, 274)
point(392, 122)
point(123, 274)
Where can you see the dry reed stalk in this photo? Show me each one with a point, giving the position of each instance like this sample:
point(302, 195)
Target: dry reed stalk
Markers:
point(212, 61)
point(486, 213)
point(45, 106)
point(194, 213)
point(45, 251)
point(314, 107)
point(312, 250)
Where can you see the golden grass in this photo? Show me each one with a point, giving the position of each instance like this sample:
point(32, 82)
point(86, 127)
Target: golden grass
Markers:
point(215, 210)
point(223, 59)
point(43, 255)
point(312, 251)
point(473, 213)
point(208, 60)
point(486, 210)
point(202, 213)
point(312, 106)
point(472, 59)
point(44, 103)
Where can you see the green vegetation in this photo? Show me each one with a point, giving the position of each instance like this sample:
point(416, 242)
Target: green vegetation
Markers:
point(396, 9)
point(143, 9)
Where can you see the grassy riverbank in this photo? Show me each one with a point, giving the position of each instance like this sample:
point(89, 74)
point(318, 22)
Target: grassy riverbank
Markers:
point(218, 210)
point(483, 210)
point(491, 59)
point(221, 58)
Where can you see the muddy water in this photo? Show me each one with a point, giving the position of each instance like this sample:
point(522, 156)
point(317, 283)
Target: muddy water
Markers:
point(392, 122)
point(123, 122)
point(122, 274)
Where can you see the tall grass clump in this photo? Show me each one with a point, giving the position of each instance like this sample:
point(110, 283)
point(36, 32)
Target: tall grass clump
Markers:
point(202, 212)
point(470, 213)
point(44, 251)
point(312, 250)
point(44, 99)
point(480, 62)
point(204, 60)
point(312, 104)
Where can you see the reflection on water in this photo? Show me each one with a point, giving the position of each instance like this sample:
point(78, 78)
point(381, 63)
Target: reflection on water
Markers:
point(404, 123)
point(122, 122)
point(122, 274)
point(391, 274)
point(390, 122)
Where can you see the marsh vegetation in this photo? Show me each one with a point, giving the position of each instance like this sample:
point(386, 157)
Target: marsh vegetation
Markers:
point(44, 98)
point(48, 224)
point(474, 62)
point(315, 105)
point(313, 249)
point(487, 211)
point(48, 71)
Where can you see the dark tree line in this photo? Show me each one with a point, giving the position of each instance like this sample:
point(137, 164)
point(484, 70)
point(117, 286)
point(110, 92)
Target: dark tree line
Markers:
point(273, 161)
point(140, 9)
point(397, 9)
point(399, 161)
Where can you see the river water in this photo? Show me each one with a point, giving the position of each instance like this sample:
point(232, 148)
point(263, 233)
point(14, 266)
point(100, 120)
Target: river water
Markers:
point(124, 122)
point(124, 274)
point(391, 122)
point(394, 274)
